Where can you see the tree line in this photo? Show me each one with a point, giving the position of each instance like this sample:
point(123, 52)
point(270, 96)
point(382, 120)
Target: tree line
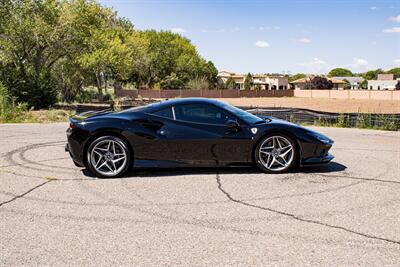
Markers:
point(50, 50)
point(324, 83)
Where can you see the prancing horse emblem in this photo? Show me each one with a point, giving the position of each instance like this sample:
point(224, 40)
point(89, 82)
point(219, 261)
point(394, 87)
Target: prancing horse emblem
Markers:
point(254, 130)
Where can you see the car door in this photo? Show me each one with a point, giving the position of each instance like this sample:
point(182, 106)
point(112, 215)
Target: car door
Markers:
point(200, 136)
point(154, 142)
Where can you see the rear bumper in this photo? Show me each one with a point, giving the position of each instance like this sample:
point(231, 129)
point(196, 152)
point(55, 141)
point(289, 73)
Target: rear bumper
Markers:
point(75, 151)
point(313, 161)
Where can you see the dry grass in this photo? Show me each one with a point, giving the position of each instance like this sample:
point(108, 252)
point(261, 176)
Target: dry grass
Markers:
point(39, 116)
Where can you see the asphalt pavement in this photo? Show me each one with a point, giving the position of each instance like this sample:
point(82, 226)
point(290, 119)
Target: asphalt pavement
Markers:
point(53, 213)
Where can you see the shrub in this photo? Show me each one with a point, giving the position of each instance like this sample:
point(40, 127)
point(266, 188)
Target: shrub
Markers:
point(248, 82)
point(87, 96)
point(9, 110)
point(343, 121)
point(364, 121)
point(171, 82)
point(198, 83)
point(387, 122)
point(230, 83)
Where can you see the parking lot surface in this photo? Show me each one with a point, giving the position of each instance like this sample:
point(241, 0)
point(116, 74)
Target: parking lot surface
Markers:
point(53, 213)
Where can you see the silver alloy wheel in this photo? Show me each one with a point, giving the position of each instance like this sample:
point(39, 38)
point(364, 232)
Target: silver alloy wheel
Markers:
point(276, 153)
point(108, 157)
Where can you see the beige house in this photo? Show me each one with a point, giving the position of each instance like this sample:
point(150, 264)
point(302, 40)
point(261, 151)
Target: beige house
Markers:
point(355, 82)
point(384, 82)
point(263, 81)
point(300, 84)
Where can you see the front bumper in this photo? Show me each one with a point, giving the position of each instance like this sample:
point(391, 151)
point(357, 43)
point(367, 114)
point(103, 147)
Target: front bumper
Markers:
point(321, 160)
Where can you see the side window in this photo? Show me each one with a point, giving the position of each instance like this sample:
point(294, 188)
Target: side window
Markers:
point(166, 113)
point(201, 113)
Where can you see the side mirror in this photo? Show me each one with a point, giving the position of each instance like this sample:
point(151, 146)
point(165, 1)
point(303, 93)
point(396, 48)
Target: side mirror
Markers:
point(232, 125)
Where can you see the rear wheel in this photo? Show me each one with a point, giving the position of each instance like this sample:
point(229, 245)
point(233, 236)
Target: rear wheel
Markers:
point(108, 157)
point(276, 153)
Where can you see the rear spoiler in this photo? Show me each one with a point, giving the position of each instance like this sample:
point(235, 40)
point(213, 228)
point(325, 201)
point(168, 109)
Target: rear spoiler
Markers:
point(87, 114)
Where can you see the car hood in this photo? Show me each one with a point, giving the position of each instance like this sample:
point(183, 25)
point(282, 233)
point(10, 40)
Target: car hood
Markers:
point(270, 119)
point(297, 128)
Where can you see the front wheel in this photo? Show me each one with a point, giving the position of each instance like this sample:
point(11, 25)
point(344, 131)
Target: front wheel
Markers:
point(108, 157)
point(276, 153)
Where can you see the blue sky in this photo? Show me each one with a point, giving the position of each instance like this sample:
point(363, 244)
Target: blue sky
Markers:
point(278, 36)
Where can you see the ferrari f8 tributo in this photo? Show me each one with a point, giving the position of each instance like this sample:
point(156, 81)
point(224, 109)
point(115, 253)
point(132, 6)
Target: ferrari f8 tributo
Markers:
point(190, 132)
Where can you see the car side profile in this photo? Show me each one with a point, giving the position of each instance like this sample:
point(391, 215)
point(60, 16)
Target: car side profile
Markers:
point(190, 132)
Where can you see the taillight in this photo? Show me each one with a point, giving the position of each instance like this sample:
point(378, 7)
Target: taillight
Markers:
point(72, 126)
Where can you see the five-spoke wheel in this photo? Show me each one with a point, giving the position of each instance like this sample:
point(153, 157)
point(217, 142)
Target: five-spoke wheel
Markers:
point(108, 156)
point(275, 154)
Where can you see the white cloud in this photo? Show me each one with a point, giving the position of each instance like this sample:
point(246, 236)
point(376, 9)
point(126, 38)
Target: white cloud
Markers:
point(262, 44)
point(392, 30)
point(397, 61)
point(357, 63)
point(236, 29)
point(265, 28)
point(317, 65)
point(277, 28)
point(395, 18)
point(360, 62)
point(314, 62)
point(304, 40)
point(373, 8)
point(178, 30)
point(373, 42)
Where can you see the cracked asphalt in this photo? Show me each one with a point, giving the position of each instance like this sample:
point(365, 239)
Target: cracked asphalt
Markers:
point(53, 213)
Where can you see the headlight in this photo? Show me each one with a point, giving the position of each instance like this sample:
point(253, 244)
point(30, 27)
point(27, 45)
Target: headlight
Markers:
point(322, 138)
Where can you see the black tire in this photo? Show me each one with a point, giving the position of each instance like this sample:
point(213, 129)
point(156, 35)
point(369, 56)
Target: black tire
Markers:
point(121, 144)
point(260, 162)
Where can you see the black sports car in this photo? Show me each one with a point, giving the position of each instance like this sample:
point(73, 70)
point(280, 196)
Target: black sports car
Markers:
point(190, 132)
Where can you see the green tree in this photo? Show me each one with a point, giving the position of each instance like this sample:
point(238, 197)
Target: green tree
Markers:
point(340, 72)
point(372, 74)
point(171, 82)
point(50, 48)
point(319, 82)
point(198, 83)
point(347, 85)
point(296, 77)
point(230, 83)
point(364, 84)
point(32, 38)
point(395, 72)
point(168, 53)
point(248, 82)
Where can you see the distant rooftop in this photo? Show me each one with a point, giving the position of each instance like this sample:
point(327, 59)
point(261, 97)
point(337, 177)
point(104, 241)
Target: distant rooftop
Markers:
point(351, 79)
point(308, 79)
point(239, 75)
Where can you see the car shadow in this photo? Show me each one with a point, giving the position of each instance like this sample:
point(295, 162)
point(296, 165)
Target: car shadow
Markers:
point(171, 172)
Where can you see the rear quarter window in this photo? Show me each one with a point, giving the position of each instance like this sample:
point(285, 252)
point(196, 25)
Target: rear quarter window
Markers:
point(165, 113)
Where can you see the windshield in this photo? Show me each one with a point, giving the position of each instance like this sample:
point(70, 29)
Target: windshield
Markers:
point(243, 115)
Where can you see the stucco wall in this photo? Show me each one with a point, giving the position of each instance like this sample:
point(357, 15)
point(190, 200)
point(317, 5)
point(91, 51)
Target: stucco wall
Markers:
point(349, 94)
point(332, 94)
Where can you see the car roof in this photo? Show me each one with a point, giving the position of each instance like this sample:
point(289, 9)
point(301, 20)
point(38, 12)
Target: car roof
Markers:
point(180, 101)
